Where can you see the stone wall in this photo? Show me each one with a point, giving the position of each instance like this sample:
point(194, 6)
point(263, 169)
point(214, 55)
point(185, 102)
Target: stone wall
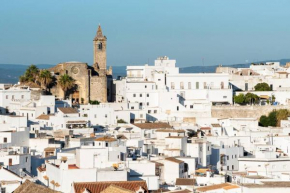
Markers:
point(98, 88)
point(243, 111)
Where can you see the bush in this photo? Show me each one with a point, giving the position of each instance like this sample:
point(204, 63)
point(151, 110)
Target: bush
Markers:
point(262, 87)
point(94, 102)
point(240, 99)
point(274, 118)
point(248, 98)
point(121, 121)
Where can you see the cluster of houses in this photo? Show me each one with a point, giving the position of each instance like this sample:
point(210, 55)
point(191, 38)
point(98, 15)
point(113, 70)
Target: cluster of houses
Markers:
point(159, 135)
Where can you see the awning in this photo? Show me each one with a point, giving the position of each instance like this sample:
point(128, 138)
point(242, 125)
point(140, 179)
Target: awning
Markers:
point(264, 97)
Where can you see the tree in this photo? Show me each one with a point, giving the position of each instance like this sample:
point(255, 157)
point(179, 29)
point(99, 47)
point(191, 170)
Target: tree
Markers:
point(264, 121)
point(282, 114)
point(31, 74)
point(251, 98)
point(66, 82)
point(262, 87)
point(274, 118)
point(45, 78)
point(240, 99)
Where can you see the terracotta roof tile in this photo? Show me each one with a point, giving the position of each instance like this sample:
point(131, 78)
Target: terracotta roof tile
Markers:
point(116, 189)
point(98, 187)
point(175, 137)
point(170, 131)
point(44, 117)
point(185, 182)
point(30, 187)
point(205, 128)
point(213, 187)
point(172, 159)
point(68, 110)
point(152, 125)
point(106, 138)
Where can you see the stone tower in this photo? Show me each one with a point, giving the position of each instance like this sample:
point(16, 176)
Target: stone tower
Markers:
point(98, 81)
point(100, 54)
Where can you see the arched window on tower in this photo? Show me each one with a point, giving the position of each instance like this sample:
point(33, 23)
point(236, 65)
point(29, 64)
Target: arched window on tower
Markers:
point(100, 46)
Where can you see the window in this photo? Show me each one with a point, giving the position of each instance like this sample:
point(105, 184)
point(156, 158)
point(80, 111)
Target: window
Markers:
point(207, 148)
point(172, 85)
point(233, 167)
point(22, 96)
point(141, 115)
point(132, 107)
point(134, 95)
point(147, 95)
point(141, 104)
point(12, 97)
point(232, 156)
point(177, 108)
point(181, 85)
point(26, 159)
point(189, 85)
point(204, 85)
point(149, 111)
point(159, 79)
point(225, 97)
point(155, 111)
point(235, 156)
point(145, 86)
point(106, 116)
point(191, 106)
point(197, 85)
point(228, 158)
point(228, 167)
point(107, 144)
point(147, 103)
point(95, 116)
point(246, 86)
point(100, 46)
point(222, 85)
point(6, 96)
point(140, 95)
point(5, 139)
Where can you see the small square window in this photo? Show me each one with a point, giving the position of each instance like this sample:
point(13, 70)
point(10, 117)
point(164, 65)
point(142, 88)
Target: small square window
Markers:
point(132, 107)
point(140, 95)
point(134, 95)
point(149, 111)
point(155, 111)
point(147, 95)
point(145, 86)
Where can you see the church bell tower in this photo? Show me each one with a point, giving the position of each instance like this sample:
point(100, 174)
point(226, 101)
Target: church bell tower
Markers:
point(100, 54)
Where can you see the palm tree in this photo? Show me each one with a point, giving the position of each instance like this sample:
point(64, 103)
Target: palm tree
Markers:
point(31, 73)
point(45, 78)
point(22, 79)
point(66, 82)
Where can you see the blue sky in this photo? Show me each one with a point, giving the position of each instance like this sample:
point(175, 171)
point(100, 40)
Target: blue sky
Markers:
point(220, 31)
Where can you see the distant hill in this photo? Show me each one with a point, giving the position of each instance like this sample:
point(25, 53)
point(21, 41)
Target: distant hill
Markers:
point(9, 73)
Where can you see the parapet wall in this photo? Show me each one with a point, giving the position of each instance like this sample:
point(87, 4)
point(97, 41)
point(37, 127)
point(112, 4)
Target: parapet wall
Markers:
point(244, 111)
